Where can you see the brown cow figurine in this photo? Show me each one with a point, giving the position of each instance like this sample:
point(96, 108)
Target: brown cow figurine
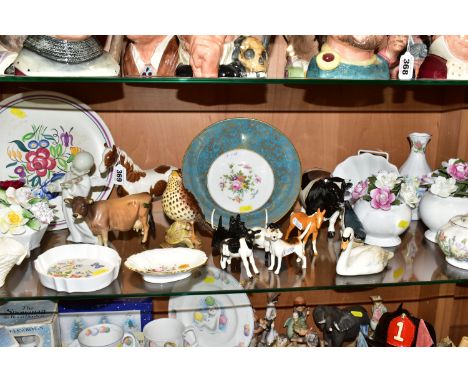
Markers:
point(123, 214)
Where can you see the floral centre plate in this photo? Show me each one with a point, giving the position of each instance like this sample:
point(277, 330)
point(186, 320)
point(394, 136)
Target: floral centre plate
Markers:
point(41, 133)
point(240, 181)
point(218, 319)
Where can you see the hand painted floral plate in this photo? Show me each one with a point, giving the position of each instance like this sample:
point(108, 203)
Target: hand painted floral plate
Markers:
point(40, 134)
point(219, 319)
point(244, 166)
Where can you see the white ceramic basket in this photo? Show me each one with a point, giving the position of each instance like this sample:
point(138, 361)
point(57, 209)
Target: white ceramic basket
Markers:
point(73, 252)
point(166, 264)
point(31, 239)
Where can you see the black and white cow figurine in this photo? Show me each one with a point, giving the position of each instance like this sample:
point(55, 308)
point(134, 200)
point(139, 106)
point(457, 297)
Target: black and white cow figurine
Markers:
point(325, 192)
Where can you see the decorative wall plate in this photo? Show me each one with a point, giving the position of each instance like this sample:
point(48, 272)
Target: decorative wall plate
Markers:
point(41, 132)
point(244, 166)
point(163, 265)
point(218, 319)
point(78, 267)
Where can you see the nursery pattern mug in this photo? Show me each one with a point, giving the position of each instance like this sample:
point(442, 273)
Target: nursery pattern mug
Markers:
point(168, 332)
point(105, 335)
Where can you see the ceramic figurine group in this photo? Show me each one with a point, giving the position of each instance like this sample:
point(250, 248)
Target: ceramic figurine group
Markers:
point(298, 332)
point(334, 56)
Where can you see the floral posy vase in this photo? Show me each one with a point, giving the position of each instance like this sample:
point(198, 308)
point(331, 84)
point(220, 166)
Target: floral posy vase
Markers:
point(416, 165)
point(453, 240)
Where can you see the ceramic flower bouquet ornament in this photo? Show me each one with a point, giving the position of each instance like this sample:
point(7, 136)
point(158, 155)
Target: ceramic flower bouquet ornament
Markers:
point(383, 204)
point(23, 215)
point(447, 196)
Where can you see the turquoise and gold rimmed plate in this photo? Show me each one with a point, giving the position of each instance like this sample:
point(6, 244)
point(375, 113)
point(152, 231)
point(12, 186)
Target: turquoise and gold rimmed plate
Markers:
point(244, 166)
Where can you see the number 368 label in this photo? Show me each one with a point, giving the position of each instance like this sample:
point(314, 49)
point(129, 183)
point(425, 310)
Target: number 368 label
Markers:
point(405, 70)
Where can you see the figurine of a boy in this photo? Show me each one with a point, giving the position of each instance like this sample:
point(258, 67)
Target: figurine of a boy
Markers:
point(76, 182)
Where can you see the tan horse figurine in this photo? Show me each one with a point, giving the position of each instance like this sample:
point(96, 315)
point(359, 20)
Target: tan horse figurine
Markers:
point(300, 220)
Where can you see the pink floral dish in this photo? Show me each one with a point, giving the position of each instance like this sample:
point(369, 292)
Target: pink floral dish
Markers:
point(78, 267)
point(164, 265)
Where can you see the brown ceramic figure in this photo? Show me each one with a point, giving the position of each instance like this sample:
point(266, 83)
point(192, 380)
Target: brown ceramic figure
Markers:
point(123, 214)
point(150, 56)
point(204, 53)
point(391, 52)
point(349, 57)
point(447, 59)
point(60, 55)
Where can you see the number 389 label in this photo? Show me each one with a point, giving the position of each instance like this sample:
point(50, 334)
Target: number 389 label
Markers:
point(405, 70)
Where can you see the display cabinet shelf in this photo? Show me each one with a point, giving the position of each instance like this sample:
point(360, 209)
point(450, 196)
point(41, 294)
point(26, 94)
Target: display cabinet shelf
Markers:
point(189, 80)
point(416, 262)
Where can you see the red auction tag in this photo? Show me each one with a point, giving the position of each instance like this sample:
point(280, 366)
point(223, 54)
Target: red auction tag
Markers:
point(401, 331)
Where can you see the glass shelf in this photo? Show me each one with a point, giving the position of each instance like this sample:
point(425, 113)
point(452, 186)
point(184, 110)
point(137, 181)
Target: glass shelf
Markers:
point(185, 80)
point(416, 262)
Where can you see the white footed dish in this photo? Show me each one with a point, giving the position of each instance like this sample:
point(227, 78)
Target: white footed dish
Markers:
point(359, 167)
point(164, 265)
point(78, 267)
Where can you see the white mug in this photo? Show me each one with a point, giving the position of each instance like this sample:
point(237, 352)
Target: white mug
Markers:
point(108, 335)
point(169, 332)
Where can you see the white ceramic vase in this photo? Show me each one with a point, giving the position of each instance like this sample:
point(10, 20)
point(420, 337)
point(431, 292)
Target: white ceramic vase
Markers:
point(416, 163)
point(11, 252)
point(31, 239)
point(436, 211)
point(383, 228)
point(453, 241)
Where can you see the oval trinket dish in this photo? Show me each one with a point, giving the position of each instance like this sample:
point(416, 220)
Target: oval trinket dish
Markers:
point(78, 267)
point(164, 265)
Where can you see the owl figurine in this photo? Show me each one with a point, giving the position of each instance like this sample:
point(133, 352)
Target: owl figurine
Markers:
point(180, 205)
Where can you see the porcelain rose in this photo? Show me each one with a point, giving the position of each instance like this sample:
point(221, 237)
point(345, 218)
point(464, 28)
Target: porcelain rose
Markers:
point(408, 193)
point(19, 196)
point(386, 179)
point(443, 187)
point(457, 169)
point(382, 198)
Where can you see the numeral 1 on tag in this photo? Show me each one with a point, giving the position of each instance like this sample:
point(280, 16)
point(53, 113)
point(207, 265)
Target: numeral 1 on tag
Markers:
point(405, 70)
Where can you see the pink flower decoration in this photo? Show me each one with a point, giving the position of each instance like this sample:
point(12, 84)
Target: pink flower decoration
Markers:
point(236, 185)
point(40, 161)
point(459, 171)
point(382, 198)
point(360, 189)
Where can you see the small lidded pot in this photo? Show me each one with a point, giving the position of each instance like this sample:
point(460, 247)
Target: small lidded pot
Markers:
point(453, 241)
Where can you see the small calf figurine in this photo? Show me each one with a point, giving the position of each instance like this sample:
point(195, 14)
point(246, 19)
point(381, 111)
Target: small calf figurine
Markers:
point(239, 247)
point(123, 214)
point(300, 220)
point(280, 248)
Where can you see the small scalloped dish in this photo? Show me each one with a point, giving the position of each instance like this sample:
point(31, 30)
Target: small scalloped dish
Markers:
point(78, 267)
point(164, 265)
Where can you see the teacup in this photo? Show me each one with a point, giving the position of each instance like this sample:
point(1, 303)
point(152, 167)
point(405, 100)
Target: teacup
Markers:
point(169, 332)
point(108, 335)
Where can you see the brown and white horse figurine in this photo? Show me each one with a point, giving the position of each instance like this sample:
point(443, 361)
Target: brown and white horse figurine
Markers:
point(300, 220)
point(153, 181)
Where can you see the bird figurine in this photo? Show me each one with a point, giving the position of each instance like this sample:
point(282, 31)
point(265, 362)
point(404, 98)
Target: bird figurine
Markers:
point(180, 205)
point(360, 259)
